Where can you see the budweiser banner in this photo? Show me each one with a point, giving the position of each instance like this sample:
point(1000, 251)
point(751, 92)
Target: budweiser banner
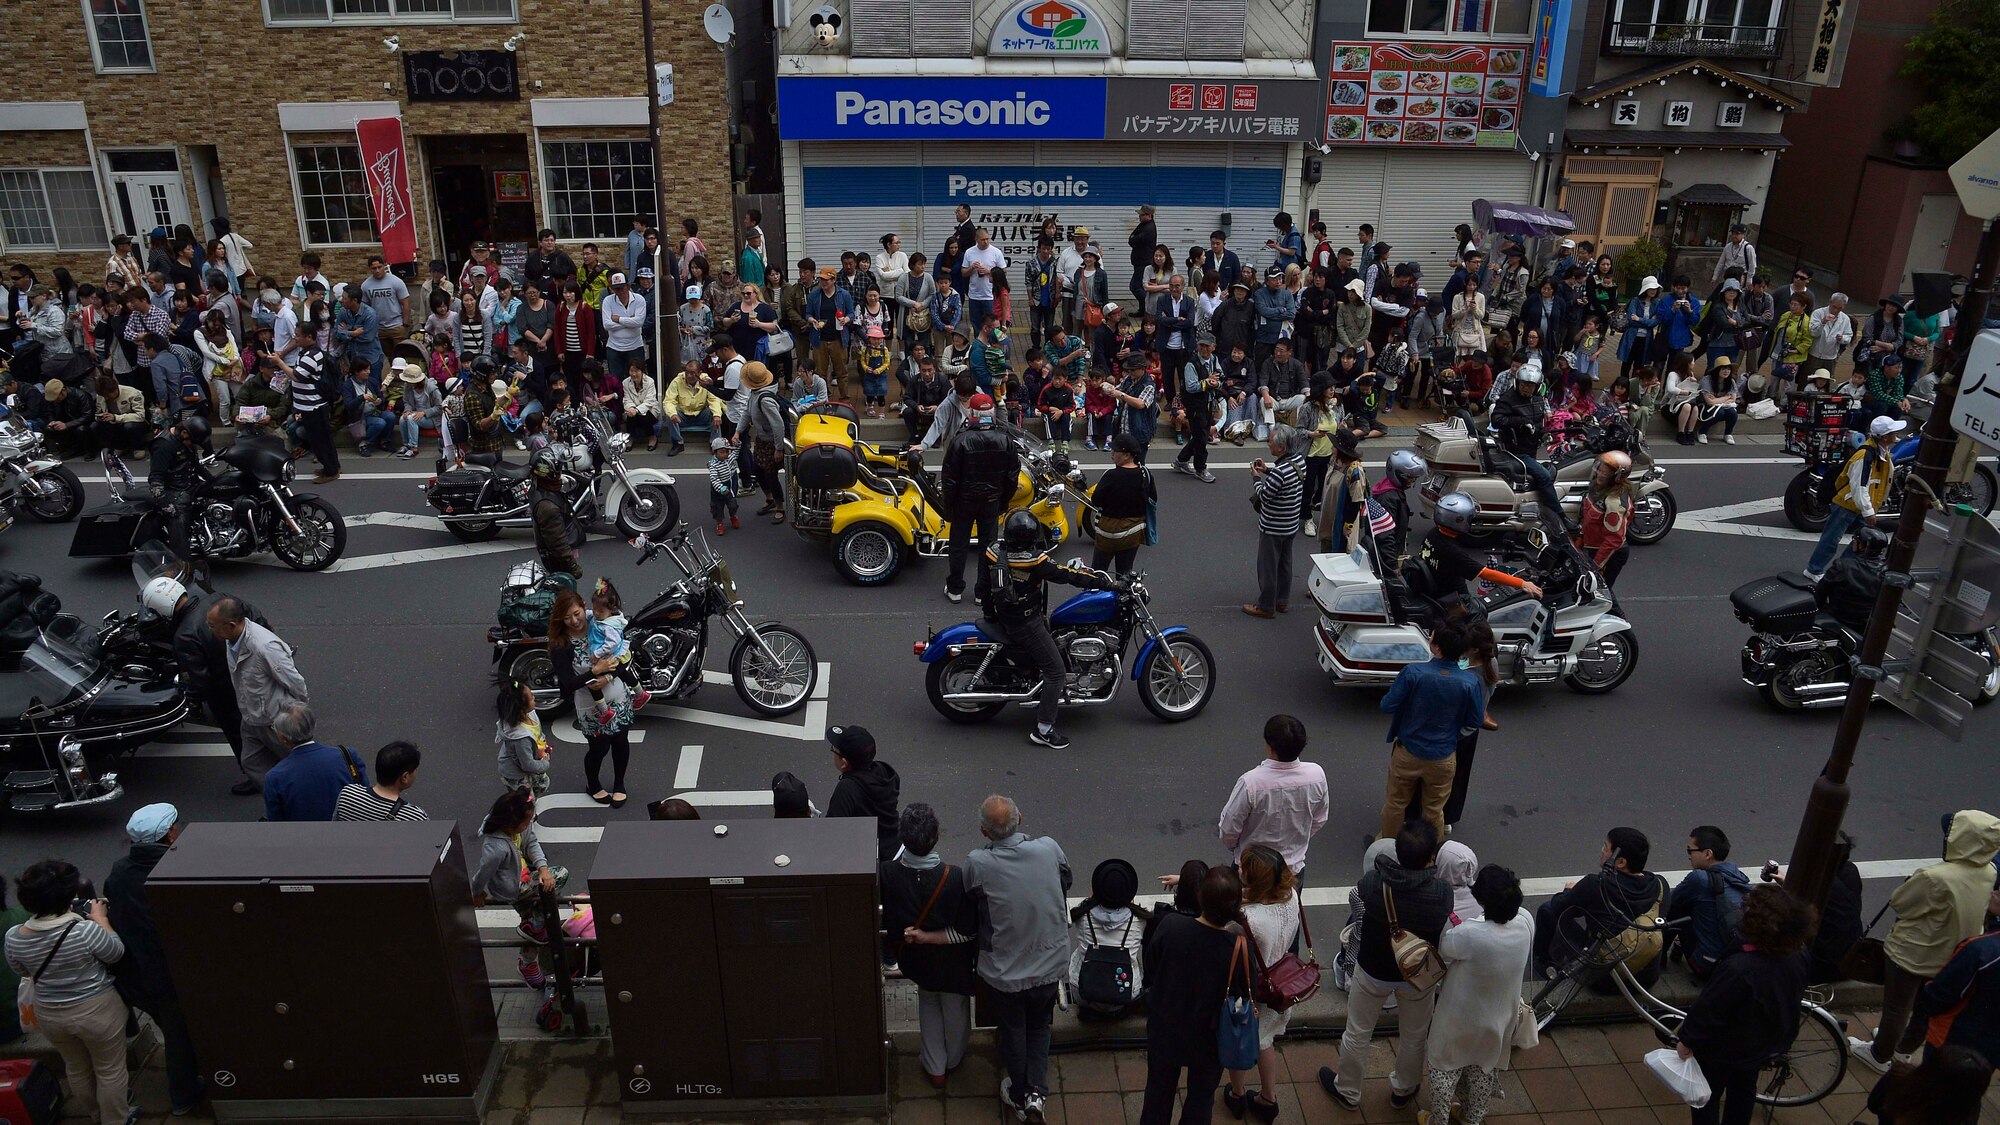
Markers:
point(388, 174)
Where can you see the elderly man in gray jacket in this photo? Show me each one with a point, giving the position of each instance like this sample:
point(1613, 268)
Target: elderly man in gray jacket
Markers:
point(1020, 886)
point(266, 681)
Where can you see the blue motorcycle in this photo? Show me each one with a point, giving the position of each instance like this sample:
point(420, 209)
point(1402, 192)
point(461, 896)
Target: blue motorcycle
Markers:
point(1807, 511)
point(972, 675)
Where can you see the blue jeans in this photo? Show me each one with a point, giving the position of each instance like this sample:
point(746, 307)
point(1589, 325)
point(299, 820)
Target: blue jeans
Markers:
point(1544, 481)
point(412, 426)
point(976, 313)
point(674, 424)
point(1839, 522)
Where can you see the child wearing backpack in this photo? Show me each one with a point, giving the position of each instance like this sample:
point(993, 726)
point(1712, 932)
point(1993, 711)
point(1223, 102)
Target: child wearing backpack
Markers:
point(1107, 945)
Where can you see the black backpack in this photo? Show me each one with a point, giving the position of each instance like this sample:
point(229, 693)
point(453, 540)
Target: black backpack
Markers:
point(1104, 982)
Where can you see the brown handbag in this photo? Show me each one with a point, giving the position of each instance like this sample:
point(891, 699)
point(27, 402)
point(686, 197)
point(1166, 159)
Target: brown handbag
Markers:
point(1867, 960)
point(1290, 980)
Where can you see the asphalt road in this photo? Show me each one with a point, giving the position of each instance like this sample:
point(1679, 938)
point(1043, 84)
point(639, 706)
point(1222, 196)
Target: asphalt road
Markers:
point(397, 651)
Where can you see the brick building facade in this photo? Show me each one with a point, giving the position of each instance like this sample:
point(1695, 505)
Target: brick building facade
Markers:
point(198, 109)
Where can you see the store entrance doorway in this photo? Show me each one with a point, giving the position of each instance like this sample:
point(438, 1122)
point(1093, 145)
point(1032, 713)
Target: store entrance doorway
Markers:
point(483, 191)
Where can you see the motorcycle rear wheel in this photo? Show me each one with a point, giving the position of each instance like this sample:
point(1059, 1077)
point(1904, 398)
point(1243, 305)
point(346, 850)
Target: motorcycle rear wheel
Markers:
point(478, 531)
point(780, 683)
point(952, 674)
point(1654, 517)
point(324, 538)
point(64, 500)
point(1805, 510)
point(868, 553)
point(1782, 692)
point(1176, 690)
point(535, 667)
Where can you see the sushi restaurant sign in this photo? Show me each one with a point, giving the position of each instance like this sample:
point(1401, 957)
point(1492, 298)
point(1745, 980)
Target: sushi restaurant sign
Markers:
point(1047, 28)
point(1428, 94)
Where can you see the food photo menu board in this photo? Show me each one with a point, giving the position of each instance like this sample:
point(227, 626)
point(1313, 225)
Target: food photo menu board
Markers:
point(1424, 94)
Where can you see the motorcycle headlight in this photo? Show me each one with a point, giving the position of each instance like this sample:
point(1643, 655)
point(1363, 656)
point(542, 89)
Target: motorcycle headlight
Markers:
point(620, 442)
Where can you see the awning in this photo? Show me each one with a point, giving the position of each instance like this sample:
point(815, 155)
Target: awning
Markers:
point(1720, 194)
point(1519, 219)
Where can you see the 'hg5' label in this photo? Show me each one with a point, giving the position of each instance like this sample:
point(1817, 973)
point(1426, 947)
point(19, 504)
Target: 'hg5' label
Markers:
point(440, 1079)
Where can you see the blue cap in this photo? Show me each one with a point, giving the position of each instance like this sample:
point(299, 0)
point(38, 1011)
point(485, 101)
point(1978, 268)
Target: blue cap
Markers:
point(151, 824)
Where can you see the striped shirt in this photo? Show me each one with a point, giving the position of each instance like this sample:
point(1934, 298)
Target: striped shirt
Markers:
point(472, 338)
point(1281, 492)
point(80, 969)
point(306, 368)
point(722, 474)
point(362, 803)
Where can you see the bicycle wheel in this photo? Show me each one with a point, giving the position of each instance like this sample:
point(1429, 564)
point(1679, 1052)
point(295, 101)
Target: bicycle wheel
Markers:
point(1811, 1067)
point(1556, 992)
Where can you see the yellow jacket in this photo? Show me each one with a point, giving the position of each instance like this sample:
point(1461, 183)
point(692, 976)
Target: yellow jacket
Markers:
point(1945, 903)
point(1864, 479)
point(684, 397)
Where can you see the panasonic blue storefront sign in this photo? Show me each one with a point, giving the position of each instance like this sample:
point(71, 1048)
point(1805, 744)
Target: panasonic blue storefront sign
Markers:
point(889, 109)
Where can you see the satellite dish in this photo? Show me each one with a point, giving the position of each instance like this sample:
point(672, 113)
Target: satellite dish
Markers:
point(720, 25)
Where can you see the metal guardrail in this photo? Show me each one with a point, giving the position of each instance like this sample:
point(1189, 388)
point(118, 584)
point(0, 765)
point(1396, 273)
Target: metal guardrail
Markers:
point(1694, 40)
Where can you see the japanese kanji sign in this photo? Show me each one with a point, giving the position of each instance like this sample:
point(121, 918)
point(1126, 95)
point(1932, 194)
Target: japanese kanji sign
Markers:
point(1823, 57)
point(1211, 110)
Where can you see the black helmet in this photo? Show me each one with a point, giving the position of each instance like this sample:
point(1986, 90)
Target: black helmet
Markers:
point(546, 464)
point(1022, 531)
point(196, 425)
point(1871, 542)
point(484, 365)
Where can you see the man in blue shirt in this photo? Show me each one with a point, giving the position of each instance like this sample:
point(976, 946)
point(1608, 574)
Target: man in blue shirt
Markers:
point(1431, 704)
point(305, 785)
point(359, 330)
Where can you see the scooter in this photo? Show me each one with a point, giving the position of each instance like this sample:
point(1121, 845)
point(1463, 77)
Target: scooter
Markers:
point(1464, 457)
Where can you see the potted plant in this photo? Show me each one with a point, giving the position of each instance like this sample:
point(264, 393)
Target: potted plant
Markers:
point(1644, 258)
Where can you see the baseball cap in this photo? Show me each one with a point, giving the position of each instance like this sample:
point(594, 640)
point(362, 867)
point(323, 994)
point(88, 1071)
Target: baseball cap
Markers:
point(693, 293)
point(481, 246)
point(1274, 271)
point(980, 401)
point(617, 279)
point(854, 741)
point(1884, 425)
point(718, 442)
point(1567, 244)
point(645, 271)
point(151, 824)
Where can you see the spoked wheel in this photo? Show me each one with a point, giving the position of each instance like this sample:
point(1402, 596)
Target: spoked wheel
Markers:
point(1555, 995)
point(648, 510)
point(1811, 1067)
point(1179, 679)
point(321, 537)
point(954, 675)
point(1977, 493)
point(1803, 507)
point(61, 496)
point(868, 553)
point(1604, 664)
point(776, 677)
point(1653, 516)
point(473, 531)
point(535, 668)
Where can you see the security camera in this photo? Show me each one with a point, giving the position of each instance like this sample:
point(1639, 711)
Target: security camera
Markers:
point(1325, 149)
point(394, 43)
point(514, 42)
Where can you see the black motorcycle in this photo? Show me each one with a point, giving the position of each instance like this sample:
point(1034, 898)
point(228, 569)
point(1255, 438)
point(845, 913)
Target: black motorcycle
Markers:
point(772, 665)
point(487, 495)
point(243, 503)
point(1800, 657)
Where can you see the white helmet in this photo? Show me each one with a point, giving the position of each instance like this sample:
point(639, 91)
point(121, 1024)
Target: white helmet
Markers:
point(1455, 511)
point(162, 596)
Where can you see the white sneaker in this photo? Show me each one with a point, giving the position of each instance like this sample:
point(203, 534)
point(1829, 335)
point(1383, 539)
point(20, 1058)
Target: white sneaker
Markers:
point(1813, 578)
point(1701, 438)
point(953, 596)
point(1864, 1053)
point(1031, 1111)
point(1312, 529)
point(1729, 439)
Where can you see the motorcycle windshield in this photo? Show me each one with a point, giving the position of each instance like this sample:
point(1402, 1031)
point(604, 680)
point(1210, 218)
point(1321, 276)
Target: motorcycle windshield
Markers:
point(48, 673)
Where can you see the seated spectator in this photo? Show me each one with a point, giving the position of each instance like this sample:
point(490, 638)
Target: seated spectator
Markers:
point(1186, 888)
point(790, 800)
point(673, 808)
point(1106, 970)
point(1602, 905)
point(1710, 899)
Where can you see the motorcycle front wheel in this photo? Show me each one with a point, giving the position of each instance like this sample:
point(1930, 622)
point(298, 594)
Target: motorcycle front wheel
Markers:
point(1602, 666)
point(477, 531)
point(952, 675)
point(648, 510)
point(61, 499)
point(318, 543)
point(1178, 679)
point(1805, 510)
point(777, 683)
point(1654, 516)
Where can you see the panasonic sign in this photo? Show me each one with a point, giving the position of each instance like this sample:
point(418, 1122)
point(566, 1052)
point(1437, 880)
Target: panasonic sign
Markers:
point(967, 187)
point(1020, 110)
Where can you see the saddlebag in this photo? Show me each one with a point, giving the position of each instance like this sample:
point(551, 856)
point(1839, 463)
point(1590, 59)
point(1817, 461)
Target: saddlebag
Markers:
point(1781, 604)
point(108, 530)
point(458, 490)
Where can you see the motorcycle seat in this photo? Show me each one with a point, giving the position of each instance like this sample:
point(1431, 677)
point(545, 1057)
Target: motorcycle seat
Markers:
point(1827, 622)
point(487, 460)
point(504, 470)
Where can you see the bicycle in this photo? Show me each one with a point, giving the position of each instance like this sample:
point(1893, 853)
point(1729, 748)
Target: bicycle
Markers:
point(1806, 1071)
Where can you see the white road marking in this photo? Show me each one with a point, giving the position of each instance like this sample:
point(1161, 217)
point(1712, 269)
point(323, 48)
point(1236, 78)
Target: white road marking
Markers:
point(505, 919)
point(396, 519)
point(1719, 520)
point(811, 726)
point(688, 773)
point(184, 750)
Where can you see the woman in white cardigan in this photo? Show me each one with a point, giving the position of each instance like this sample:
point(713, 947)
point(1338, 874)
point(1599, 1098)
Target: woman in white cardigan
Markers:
point(1472, 1030)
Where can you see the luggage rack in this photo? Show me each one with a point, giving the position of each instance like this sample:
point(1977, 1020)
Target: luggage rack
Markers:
point(1816, 426)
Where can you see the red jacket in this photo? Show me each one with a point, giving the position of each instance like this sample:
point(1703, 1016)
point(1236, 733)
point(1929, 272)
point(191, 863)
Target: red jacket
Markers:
point(586, 329)
point(1604, 529)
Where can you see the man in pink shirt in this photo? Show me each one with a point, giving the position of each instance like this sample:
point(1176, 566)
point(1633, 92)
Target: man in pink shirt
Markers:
point(1282, 802)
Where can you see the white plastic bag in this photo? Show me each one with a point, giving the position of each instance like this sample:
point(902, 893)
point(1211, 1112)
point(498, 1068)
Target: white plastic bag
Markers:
point(1682, 1076)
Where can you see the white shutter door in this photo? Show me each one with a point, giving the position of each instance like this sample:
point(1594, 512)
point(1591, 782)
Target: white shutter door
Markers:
point(1351, 190)
point(1215, 29)
point(857, 192)
point(1156, 29)
point(941, 28)
point(1432, 192)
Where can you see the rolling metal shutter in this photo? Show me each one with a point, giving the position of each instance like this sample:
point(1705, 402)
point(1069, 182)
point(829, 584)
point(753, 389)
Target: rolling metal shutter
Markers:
point(941, 28)
point(1156, 29)
point(1215, 29)
point(857, 192)
point(879, 29)
point(1415, 198)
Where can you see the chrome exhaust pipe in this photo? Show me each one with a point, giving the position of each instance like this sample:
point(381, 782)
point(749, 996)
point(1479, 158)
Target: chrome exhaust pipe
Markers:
point(977, 697)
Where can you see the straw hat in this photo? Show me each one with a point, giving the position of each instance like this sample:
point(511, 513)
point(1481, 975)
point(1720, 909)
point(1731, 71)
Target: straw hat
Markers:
point(756, 375)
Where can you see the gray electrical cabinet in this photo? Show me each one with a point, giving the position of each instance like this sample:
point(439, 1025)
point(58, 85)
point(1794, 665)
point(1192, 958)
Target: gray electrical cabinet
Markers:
point(741, 965)
point(330, 971)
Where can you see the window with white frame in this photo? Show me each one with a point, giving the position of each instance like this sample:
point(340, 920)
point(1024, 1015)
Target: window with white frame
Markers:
point(390, 11)
point(1499, 19)
point(332, 189)
point(591, 189)
point(118, 34)
point(1744, 21)
point(50, 209)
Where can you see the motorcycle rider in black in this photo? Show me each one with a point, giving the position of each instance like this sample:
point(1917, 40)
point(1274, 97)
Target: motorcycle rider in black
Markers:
point(1849, 587)
point(175, 473)
point(1018, 602)
point(1518, 417)
point(979, 475)
point(552, 520)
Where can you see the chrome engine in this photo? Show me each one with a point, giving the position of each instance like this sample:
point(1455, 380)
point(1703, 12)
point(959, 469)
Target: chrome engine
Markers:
point(1093, 662)
point(662, 659)
point(216, 530)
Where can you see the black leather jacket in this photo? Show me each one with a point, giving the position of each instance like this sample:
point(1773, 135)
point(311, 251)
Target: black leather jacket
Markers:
point(980, 472)
point(1849, 588)
point(1518, 418)
point(1020, 586)
point(175, 469)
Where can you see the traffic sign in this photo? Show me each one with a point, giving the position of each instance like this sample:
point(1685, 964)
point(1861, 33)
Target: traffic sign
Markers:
point(1976, 411)
point(1976, 178)
point(1937, 674)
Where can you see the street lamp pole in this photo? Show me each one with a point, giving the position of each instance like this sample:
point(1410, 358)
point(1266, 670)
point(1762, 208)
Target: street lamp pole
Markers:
point(666, 294)
point(1811, 873)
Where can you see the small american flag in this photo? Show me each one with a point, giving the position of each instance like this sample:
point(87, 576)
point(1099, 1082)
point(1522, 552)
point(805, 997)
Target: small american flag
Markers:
point(1380, 522)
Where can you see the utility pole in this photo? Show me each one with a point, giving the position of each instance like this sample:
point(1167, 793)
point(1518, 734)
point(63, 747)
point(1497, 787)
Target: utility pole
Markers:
point(666, 291)
point(1811, 872)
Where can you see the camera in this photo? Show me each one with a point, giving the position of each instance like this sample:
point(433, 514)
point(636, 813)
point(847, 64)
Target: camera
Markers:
point(86, 894)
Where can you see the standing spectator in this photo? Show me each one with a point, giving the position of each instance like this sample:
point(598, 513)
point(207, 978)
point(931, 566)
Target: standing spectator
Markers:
point(305, 785)
point(395, 772)
point(605, 726)
point(10, 981)
point(1407, 886)
point(1948, 1087)
point(1068, 262)
point(750, 264)
point(1832, 332)
point(828, 309)
point(1748, 1012)
point(204, 660)
point(575, 332)
point(976, 481)
point(1281, 802)
point(1737, 253)
point(1936, 909)
point(1272, 915)
point(1429, 704)
point(624, 315)
point(922, 892)
point(1019, 884)
point(1144, 238)
point(1190, 964)
point(547, 265)
point(1961, 1005)
point(77, 1006)
point(867, 787)
point(1710, 898)
point(389, 297)
point(1472, 1033)
point(1279, 490)
point(1121, 497)
point(143, 978)
point(980, 261)
point(266, 681)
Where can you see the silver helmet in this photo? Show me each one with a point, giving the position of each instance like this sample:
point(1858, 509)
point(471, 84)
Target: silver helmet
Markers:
point(1455, 511)
point(1406, 467)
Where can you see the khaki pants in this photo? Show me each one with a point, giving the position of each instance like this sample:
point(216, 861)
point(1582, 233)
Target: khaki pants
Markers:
point(90, 1034)
point(831, 359)
point(1406, 772)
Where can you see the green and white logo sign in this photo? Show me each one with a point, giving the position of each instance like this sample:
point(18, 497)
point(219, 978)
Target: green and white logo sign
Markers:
point(1050, 27)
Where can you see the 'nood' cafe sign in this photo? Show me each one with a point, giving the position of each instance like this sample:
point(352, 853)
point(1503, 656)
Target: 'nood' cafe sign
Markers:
point(1049, 27)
